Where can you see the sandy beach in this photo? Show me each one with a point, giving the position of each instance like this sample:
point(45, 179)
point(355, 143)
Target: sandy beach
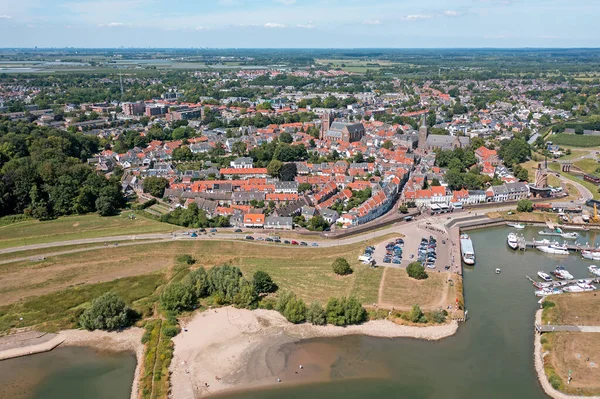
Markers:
point(539, 367)
point(227, 349)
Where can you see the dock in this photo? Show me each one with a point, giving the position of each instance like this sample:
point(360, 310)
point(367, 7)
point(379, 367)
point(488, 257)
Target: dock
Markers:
point(524, 244)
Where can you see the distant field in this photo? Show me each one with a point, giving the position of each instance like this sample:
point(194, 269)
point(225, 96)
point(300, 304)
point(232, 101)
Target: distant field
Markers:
point(77, 227)
point(575, 140)
point(306, 271)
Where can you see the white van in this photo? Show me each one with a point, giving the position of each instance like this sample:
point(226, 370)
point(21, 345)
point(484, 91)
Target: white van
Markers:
point(365, 258)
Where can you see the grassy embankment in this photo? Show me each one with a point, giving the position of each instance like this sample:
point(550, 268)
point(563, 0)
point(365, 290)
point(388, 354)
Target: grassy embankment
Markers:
point(401, 291)
point(30, 232)
point(580, 309)
point(593, 188)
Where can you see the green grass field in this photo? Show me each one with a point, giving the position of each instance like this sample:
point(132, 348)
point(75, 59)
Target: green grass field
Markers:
point(575, 140)
point(77, 227)
point(588, 165)
point(592, 187)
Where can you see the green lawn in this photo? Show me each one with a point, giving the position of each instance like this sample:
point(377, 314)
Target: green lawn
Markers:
point(575, 140)
point(77, 227)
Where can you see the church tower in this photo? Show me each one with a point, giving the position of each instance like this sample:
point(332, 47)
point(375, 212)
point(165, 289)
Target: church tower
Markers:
point(423, 134)
point(326, 121)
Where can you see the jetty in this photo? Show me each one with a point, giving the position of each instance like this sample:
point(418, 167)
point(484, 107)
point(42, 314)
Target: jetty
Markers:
point(524, 244)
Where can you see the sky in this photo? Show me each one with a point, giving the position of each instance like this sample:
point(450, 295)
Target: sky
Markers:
point(300, 23)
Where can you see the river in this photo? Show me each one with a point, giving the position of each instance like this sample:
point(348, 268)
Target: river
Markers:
point(491, 356)
point(68, 373)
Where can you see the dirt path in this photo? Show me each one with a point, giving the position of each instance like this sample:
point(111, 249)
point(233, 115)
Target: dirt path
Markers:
point(380, 295)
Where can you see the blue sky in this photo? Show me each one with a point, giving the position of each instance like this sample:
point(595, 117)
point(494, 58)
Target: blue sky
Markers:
point(299, 23)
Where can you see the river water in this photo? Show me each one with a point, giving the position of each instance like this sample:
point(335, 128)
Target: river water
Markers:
point(68, 373)
point(491, 356)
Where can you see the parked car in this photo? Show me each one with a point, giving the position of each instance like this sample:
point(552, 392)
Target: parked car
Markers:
point(304, 244)
point(237, 230)
point(202, 230)
point(295, 242)
point(213, 230)
point(387, 260)
point(276, 240)
point(314, 244)
point(396, 261)
point(249, 238)
point(194, 235)
point(260, 239)
point(286, 242)
point(269, 239)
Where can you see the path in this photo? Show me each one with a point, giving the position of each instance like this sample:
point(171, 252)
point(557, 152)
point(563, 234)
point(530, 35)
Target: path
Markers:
point(566, 328)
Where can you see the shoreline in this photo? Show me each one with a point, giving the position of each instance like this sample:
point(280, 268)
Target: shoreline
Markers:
point(538, 356)
point(229, 349)
point(128, 340)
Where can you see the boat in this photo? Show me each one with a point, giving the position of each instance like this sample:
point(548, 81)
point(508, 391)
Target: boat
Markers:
point(558, 232)
point(580, 286)
point(591, 255)
point(595, 270)
point(513, 241)
point(555, 249)
point(561, 273)
point(544, 276)
point(466, 249)
point(518, 226)
point(498, 271)
point(548, 291)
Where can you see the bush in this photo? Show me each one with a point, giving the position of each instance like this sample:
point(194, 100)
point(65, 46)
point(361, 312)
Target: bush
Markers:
point(341, 267)
point(438, 317)
point(548, 304)
point(524, 206)
point(263, 283)
point(555, 381)
point(198, 279)
point(316, 314)
point(416, 271)
point(224, 280)
point(246, 297)
point(108, 312)
point(341, 312)
point(415, 314)
point(170, 331)
point(187, 259)
point(292, 308)
point(178, 297)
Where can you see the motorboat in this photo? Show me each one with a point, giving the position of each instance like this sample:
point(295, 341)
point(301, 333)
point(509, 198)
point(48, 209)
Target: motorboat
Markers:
point(595, 270)
point(555, 249)
point(518, 226)
point(580, 286)
point(558, 232)
point(544, 276)
point(591, 255)
point(512, 240)
point(561, 273)
point(498, 271)
point(466, 249)
point(548, 291)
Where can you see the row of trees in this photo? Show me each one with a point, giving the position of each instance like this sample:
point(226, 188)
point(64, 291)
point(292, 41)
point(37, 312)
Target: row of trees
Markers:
point(339, 312)
point(193, 217)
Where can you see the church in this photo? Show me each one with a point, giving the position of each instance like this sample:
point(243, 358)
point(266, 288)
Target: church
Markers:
point(340, 131)
point(434, 142)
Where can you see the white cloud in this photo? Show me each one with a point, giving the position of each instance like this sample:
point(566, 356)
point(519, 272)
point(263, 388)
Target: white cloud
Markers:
point(451, 13)
point(415, 17)
point(5, 17)
point(310, 25)
point(112, 25)
point(286, 2)
point(200, 28)
point(372, 22)
point(274, 25)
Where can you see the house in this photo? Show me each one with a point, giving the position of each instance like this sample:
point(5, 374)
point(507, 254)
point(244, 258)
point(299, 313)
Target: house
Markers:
point(254, 220)
point(329, 215)
point(245, 197)
point(484, 155)
point(308, 212)
point(508, 192)
point(278, 222)
point(286, 187)
point(244, 173)
point(242, 163)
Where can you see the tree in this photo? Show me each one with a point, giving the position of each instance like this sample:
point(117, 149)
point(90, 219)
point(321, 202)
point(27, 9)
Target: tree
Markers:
point(524, 205)
point(183, 153)
point(108, 312)
point(416, 271)
point(579, 129)
point(415, 314)
point(341, 267)
point(178, 296)
point(263, 283)
point(285, 137)
point(292, 308)
point(403, 209)
point(246, 296)
point(304, 187)
point(316, 314)
point(341, 312)
point(388, 145)
point(288, 172)
point(317, 223)
point(155, 186)
point(435, 182)
point(274, 168)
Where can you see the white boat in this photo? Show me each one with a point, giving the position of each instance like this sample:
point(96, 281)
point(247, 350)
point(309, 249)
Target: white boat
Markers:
point(580, 286)
point(544, 276)
point(466, 249)
point(558, 232)
point(518, 226)
point(498, 271)
point(591, 255)
point(555, 249)
point(548, 291)
point(595, 270)
point(561, 273)
point(512, 240)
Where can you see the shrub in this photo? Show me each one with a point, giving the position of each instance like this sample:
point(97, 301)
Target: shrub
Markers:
point(198, 280)
point(224, 280)
point(187, 259)
point(524, 206)
point(341, 267)
point(438, 317)
point(292, 308)
point(415, 314)
point(170, 331)
point(316, 314)
point(548, 304)
point(341, 312)
point(178, 297)
point(263, 283)
point(555, 381)
point(246, 297)
point(108, 312)
point(416, 271)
